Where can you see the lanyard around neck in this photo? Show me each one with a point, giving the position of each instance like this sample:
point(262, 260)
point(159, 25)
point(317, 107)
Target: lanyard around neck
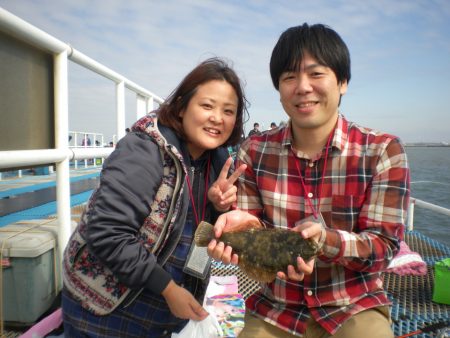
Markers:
point(315, 212)
point(191, 196)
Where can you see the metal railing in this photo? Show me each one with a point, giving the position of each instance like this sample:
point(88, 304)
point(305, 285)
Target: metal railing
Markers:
point(82, 139)
point(426, 205)
point(62, 154)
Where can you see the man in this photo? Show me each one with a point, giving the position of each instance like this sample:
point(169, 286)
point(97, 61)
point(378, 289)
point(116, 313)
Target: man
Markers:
point(344, 186)
point(255, 129)
point(273, 125)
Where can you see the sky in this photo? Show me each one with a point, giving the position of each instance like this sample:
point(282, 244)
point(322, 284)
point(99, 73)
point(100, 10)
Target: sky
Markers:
point(400, 54)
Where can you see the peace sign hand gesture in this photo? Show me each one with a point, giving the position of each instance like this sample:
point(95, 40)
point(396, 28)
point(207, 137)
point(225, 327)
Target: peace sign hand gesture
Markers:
point(222, 192)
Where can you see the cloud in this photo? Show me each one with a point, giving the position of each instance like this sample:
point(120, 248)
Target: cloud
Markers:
point(394, 44)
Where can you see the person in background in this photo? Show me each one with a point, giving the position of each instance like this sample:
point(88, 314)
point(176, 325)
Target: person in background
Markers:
point(273, 125)
point(86, 141)
point(342, 185)
point(130, 268)
point(255, 129)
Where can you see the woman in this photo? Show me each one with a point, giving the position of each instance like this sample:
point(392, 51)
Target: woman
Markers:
point(125, 269)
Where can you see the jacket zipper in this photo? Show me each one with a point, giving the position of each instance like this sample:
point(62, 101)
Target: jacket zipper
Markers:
point(165, 226)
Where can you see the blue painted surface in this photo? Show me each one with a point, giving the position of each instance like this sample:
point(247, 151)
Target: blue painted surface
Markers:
point(38, 186)
point(43, 210)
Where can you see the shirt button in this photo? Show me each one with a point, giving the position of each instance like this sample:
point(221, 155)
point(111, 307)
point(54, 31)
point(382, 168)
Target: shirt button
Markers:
point(310, 194)
point(309, 293)
point(311, 164)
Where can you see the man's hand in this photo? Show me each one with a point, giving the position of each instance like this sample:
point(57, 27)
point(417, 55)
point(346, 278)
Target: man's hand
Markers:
point(182, 304)
point(235, 220)
point(222, 192)
point(306, 230)
point(303, 268)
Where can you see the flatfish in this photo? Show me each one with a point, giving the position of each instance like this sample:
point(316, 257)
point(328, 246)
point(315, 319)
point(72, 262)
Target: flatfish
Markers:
point(262, 252)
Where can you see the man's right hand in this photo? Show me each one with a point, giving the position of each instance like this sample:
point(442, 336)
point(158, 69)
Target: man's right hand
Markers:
point(314, 231)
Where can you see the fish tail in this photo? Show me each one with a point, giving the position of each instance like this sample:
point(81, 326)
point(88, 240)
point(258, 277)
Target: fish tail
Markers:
point(204, 234)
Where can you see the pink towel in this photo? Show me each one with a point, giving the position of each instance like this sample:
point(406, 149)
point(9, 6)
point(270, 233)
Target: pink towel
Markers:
point(407, 262)
point(45, 326)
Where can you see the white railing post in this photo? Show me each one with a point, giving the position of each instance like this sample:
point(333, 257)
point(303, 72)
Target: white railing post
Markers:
point(120, 109)
point(410, 225)
point(150, 104)
point(141, 106)
point(75, 142)
point(61, 137)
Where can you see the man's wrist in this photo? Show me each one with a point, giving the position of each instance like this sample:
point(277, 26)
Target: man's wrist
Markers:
point(322, 238)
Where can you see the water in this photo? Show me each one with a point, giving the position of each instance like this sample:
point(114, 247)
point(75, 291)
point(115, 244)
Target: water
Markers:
point(430, 181)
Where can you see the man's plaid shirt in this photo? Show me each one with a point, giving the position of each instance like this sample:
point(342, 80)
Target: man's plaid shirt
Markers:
point(364, 202)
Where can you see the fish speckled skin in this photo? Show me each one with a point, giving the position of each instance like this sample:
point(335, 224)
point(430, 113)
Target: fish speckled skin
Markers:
point(262, 252)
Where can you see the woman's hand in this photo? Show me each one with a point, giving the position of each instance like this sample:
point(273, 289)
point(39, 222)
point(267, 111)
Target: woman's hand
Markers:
point(222, 192)
point(235, 220)
point(182, 304)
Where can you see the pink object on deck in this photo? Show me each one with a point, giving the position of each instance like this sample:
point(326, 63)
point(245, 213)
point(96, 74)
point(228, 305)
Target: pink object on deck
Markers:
point(45, 326)
point(407, 262)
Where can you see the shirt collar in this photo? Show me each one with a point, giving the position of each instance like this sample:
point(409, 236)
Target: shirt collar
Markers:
point(339, 140)
point(340, 136)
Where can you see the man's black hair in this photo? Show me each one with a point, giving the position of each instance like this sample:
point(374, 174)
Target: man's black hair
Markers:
point(319, 41)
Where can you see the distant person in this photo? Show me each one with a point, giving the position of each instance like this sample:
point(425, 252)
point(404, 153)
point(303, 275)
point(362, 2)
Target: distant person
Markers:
point(125, 268)
point(127, 130)
point(255, 129)
point(344, 186)
point(97, 143)
point(273, 125)
point(86, 141)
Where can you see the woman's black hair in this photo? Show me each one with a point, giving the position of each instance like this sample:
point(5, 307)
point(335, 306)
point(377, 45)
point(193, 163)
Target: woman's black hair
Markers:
point(178, 101)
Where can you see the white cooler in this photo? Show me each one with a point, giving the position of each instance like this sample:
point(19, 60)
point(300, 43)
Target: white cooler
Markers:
point(30, 271)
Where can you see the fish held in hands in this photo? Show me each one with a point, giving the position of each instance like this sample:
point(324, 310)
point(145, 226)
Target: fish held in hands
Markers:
point(262, 252)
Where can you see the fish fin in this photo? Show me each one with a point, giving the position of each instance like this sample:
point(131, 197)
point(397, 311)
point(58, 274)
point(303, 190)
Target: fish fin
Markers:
point(256, 273)
point(204, 234)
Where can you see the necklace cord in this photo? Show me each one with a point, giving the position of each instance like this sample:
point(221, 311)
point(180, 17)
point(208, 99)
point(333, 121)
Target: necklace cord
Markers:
point(315, 212)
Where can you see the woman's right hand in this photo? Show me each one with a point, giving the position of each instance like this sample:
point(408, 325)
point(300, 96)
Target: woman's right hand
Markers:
point(182, 303)
point(222, 192)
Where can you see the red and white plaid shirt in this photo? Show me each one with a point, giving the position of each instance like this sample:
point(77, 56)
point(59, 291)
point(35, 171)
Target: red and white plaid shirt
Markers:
point(364, 203)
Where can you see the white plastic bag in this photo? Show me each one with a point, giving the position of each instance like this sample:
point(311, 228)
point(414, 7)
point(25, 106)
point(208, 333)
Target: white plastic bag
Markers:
point(207, 328)
point(210, 327)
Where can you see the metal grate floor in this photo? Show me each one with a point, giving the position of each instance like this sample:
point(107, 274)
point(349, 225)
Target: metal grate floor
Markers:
point(412, 306)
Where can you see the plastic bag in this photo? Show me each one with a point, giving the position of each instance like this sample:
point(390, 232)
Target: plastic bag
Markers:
point(207, 328)
point(219, 288)
point(229, 311)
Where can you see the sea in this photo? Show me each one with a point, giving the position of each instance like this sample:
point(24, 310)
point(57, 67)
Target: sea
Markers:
point(430, 182)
